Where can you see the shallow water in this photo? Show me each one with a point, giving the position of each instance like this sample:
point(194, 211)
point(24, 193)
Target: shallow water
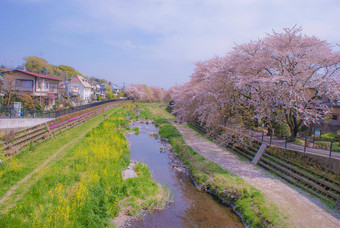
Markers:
point(191, 207)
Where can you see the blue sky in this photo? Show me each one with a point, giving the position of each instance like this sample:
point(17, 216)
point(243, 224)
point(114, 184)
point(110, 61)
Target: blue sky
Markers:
point(154, 42)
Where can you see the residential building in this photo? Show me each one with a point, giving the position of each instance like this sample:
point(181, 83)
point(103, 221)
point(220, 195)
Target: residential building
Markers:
point(95, 89)
point(115, 88)
point(23, 82)
point(103, 90)
point(332, 125)
point(80, 87)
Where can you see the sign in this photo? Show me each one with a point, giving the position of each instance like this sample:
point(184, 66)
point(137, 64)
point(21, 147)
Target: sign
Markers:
point(317, 133)
point(17, 108)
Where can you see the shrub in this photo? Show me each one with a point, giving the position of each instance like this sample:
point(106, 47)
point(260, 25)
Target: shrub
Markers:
point(27, 101)
point(329, 136)
point(281, 129)
point(298, 141)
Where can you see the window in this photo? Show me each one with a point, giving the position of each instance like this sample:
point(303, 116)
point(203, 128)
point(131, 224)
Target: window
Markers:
point(17, 84)
point(54, 85)
point(75, 89)
point(46, 85)
point(27, 84)
point(23, 84)
point(334, 117)
point(39, 83)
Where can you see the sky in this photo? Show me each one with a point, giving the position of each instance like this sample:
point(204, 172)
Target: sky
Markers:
point(152, 42)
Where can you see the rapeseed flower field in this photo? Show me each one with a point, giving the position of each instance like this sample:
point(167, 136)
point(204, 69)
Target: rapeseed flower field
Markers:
point(84, 188)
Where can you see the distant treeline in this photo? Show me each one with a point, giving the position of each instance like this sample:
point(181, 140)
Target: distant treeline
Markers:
point(38, 65)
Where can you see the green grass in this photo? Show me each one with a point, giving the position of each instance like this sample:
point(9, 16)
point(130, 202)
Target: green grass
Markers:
point(84, 188)
point(81, 188)
point(21, 164)
point(327, 145)
point(136, 130)
point(143, 193)
point(329, 136)
point(298, 141)
point(161, 111)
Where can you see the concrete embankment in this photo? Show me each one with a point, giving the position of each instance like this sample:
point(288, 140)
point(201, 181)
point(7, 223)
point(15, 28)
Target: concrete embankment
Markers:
point(20, 124)
point(302, 209)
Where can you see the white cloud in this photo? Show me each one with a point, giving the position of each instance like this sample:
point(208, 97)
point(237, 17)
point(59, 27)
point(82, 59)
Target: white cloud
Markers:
point(180, 28)
point(192, 30)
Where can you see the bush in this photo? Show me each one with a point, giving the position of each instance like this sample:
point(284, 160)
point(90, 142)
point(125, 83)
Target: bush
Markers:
point(329, 136)
point(327, 145)
point(281, 129)
point(298, 141)
point(27, 101)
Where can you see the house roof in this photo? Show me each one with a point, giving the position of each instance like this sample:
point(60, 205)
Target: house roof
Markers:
point(113, 86)
point(82, 80)
point(38, 75)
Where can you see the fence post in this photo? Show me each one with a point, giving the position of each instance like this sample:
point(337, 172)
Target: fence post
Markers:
point(271, 137)
point(262, 135)
point(313, 140)
point(304, 150)
point(286, 142)
point(330, 149)
point(320, 134)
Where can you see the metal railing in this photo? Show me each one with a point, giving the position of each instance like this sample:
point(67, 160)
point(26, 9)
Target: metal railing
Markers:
point(311, 145)
point(307, 144)
point(11, 112)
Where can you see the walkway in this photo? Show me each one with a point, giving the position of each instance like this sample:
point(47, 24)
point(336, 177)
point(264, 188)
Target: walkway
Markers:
point(293, 146)
point(303, 211)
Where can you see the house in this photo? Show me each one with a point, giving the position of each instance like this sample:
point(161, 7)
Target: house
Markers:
point(23, 82)
point(80, 87)
point(95, 89)
point(332, 125)
point(103, 90)
point(115, 88)
point(328, 125)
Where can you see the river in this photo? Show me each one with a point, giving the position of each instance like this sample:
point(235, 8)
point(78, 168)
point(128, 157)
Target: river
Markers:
point(191, 207)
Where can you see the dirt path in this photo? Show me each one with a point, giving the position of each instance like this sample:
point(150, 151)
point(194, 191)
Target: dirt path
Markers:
point(303, 211)
point(28, 176)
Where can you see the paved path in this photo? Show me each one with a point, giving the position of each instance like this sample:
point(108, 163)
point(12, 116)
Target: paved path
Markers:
point(303, 211)
point(296, 147)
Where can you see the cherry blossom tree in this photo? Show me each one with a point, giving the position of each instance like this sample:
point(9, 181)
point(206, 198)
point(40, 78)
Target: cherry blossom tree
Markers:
point(156, 93)
point(144, 93)
point(286, 74)
point(281, 77)
point(171, 92)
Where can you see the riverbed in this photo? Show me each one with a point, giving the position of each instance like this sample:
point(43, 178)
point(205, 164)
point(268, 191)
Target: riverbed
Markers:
point(191, 207)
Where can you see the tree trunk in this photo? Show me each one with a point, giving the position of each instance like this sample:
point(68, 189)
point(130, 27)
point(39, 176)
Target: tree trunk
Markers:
point(293, 131)
point(9, 98)
point(294, 123)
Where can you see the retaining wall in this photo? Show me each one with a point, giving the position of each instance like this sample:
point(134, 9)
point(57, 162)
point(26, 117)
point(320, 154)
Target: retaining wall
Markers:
point(19, 124)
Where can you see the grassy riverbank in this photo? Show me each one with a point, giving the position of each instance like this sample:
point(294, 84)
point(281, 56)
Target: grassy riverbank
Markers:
point(84, 187)
point(231, 189)
point(18, 166)
point(250, 202)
